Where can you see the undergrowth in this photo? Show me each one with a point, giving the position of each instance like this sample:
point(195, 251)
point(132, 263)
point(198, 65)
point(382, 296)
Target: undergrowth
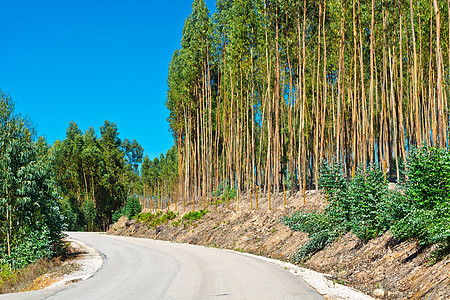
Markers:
point(13, 281)
point(417, 210)
point(131, 209)
point(152, 220)
point(428, 192)
point(159, 218)
point(17, 281)
point(222, 190)
point(193, 216)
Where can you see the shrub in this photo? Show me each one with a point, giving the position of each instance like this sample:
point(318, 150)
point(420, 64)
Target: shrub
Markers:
point(319, 228)
point(132, 208)
point(315, 243)
point(153, 220)
point(367, 195)
point(307, 222)
point(363, 205)
point(427, 191)
point(195, 215)
point(336, 187)
point(35, 243)
point(428, 177)
point(222, 190)
point(366, 206)
point(70, 216)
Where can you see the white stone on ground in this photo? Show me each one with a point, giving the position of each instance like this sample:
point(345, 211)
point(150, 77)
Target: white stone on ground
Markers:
point(87, 264)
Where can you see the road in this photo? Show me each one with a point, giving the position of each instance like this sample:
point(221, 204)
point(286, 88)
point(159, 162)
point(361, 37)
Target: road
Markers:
point(136, 268)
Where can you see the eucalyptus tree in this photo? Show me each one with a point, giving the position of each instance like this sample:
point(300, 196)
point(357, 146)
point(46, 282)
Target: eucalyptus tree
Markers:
point(301, 81)
point(30, 220)
point(95, 174)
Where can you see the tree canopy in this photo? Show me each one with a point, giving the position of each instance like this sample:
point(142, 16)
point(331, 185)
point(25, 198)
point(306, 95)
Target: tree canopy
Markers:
point(96, 174)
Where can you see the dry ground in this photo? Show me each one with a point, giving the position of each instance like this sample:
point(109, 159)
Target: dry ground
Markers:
point(42, 273)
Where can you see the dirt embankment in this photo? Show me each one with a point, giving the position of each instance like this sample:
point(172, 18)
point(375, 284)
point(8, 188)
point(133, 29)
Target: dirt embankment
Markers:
point(401, 271)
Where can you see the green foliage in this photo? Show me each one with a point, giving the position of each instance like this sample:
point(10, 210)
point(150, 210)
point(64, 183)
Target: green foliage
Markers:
point(36, 243)
point(316, 242)
point(427, 190)
point(154, 220)
point(96, 174)
point(89, 212)
point(363, 205)
point(222, 190)
point(318, 226)
point(192, 216)
point(336, 187)
point(367, 194)
point(31, 223)
point(366, 206)
point(116, 216)
point(195, 215)
point(308, 222)
point(428, 177)
point(70, 216)
point(131, 210)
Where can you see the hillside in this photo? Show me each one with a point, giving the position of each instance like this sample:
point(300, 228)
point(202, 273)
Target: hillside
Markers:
point(400, 270)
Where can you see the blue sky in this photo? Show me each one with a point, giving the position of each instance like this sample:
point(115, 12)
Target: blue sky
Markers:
point(91, 61)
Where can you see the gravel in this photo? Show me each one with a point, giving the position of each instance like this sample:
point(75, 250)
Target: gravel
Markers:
point(87, 264)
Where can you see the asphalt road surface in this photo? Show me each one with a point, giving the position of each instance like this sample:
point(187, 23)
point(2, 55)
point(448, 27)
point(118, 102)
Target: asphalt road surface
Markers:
point(136, 268)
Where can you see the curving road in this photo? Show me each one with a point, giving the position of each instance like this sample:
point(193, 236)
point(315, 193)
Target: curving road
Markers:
point(136, 268)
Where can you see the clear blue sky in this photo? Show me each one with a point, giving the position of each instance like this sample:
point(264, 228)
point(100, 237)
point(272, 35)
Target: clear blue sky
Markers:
point(91, 61)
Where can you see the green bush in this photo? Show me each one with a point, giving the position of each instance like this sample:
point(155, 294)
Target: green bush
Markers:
point(427, 191)
point(130, 210)
point(363, 205)
point(428, 182)
point(70, 216)
point(195, 215)
point(319, 228)
point(308, 222)
point(153, 220)
point(316, 242)
point(222, 190)
point(116, 216)
point(368, 195)
point(37, 243)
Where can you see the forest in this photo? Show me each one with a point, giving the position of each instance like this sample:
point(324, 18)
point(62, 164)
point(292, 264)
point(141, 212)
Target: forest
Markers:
point(84, 182)
point(75, 184)
point(262, 91)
